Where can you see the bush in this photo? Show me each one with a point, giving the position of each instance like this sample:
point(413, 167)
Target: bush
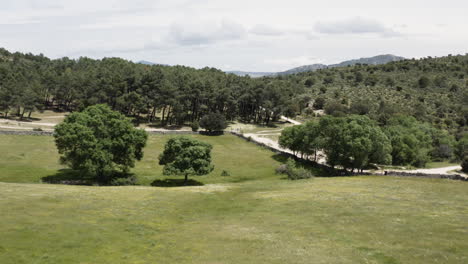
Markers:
point(465, 164)
point(37, 129)
point(282, 169)
point(123, 181)
point(293, 172)
point(195, 126)
point(225, 173)
point(299, 174)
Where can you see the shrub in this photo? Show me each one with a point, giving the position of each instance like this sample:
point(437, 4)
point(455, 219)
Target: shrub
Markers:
point(123, 181)
point(195, 126)
point(37, 129)
point(299, 173)
point(282, 169)
point(292, 171)
point(225, 173)
point(465, 164)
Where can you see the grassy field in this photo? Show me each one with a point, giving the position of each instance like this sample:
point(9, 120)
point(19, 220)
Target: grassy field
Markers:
point(324, 220)
point(27, 159)
point(252, 216)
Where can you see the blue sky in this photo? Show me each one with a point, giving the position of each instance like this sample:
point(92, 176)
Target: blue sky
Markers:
point(255, 35)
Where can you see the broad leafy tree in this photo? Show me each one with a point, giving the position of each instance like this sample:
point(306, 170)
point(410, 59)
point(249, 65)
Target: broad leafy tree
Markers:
point(186, 156)
point(98, 142)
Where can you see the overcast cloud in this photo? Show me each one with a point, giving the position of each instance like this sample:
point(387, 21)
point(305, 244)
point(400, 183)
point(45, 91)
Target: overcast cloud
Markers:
point(249, 35)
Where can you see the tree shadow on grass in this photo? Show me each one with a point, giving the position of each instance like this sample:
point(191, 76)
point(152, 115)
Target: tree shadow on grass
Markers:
point(67, 176)
point(175, 183)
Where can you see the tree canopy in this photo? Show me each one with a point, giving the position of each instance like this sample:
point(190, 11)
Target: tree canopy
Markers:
point(213, 122)
point(186, 156)
point(351, 142)
point(98, 141)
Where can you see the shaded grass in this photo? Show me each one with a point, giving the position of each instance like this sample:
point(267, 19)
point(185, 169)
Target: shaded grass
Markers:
point(325, 220)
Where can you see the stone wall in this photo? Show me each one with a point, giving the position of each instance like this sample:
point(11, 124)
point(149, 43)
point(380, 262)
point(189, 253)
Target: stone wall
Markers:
point(26, 133)
point(426, 175)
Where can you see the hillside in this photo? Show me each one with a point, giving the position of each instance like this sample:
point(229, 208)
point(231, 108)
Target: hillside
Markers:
point(433, 90)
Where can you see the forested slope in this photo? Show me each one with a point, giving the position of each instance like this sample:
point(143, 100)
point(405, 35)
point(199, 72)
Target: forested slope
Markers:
point(433, 90)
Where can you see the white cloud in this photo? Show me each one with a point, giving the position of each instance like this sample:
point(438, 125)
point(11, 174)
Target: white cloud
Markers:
point(205, 33)
point(356, 25)
point(265, 30)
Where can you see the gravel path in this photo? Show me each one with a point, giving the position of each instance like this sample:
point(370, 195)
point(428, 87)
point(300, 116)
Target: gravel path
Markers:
point(25, 124)
point(443, 170)
point(294, 122)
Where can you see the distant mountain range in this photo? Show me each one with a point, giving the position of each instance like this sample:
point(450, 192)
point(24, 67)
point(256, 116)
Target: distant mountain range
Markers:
point(150, 63)
point(380, 59)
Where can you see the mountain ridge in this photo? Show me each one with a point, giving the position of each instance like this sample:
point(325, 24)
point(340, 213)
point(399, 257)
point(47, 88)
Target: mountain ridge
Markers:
point(375, 60)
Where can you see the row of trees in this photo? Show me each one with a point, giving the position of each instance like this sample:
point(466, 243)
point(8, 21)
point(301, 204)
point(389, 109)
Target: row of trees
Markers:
point(354, 141)
point(351, 142)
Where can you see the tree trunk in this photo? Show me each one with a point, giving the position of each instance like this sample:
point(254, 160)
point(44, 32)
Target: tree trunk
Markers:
point(22, 114)
point(162, 116)
point(186, 179)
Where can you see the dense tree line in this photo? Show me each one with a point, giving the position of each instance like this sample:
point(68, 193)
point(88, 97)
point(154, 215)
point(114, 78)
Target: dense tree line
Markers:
point(176, 95)
point(356, 141)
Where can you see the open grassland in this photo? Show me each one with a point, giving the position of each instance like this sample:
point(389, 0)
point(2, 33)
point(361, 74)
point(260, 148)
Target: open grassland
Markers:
point(324, 220)
point(28, 159)
point(252, 216)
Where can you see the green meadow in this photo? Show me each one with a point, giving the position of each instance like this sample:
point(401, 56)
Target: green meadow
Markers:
point(251, 216)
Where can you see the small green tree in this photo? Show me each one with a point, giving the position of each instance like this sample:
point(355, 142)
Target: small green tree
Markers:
point(186, 156)
point(99, 141)
point(213, 122)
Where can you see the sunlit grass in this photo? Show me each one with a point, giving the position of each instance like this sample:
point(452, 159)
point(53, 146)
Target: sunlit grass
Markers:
point(324, 220)
point(27, 159)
